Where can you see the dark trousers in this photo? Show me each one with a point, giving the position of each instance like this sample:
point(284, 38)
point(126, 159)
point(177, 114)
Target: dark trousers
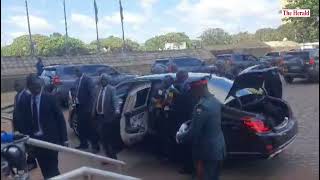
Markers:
point(107, 132)
point(207, 170)
point(48, 162)
point(86, 130)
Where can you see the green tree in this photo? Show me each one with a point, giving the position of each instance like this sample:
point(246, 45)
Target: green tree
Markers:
point(242, 36)
point(306, 29)
point(158, 42)
point(113, 43)
point(215, 36)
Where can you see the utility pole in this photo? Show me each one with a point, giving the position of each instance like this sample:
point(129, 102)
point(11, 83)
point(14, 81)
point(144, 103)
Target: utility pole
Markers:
point(30, 38)
point(121, 17)
point(96, 18)
point(66, 27)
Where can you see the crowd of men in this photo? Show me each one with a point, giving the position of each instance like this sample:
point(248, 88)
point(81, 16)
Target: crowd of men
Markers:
point(38, 115)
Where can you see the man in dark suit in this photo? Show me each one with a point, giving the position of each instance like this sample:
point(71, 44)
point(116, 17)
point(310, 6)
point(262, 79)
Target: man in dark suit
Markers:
point(18, 111)
point(84, 100)
point(44, 121)
point(205, 133)
point(105, 110)
point(18, 119)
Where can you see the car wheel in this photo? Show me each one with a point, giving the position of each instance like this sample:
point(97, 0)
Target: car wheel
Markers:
point(288, 79)
point(74, 124)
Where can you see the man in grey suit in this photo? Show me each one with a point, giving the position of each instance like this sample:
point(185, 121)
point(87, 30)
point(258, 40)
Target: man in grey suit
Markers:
point(105, 110)
point(205, 133)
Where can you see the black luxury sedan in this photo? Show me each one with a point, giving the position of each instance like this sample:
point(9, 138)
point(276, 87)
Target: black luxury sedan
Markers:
point(254, 123)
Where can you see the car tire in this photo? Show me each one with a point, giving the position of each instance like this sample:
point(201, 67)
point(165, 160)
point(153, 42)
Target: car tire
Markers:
point(74, 124)
point(288, 79)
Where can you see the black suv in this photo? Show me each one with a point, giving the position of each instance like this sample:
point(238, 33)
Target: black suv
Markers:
point(186, 63)
point(236, 62)
point(305, 65)
point(63, 77)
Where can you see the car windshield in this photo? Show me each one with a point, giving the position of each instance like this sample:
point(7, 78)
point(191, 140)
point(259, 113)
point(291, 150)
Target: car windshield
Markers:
point(220, 87)
point(304, 54)
point(163, 62)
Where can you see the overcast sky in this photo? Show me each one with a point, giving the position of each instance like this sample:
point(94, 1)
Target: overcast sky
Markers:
point(143, 19)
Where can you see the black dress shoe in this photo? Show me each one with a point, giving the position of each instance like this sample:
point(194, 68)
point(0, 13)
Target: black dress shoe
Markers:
point(82, 146)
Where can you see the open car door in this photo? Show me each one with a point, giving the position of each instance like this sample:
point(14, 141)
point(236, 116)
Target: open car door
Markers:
point(134, 117)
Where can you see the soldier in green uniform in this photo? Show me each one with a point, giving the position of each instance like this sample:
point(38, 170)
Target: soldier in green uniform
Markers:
point(205, 133)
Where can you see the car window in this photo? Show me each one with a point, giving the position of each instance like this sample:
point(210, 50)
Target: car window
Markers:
point(68, 71)
point(238, 57)
point(187, 62)
point(273, 54)
point(141, 98)
point(224, 57)
point(249, 58)
point(49, 72)
point(104, 69)
point(304, 55)
point(163, 62)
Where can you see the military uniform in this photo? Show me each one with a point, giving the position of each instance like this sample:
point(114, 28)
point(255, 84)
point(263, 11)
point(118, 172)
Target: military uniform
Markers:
point(206, 136)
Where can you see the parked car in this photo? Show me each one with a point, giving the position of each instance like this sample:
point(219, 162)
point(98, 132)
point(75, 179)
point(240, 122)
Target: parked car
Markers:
point(254, 124)
point(237, 63)
point(63, 77)
point(305, 65)
point(189, 64)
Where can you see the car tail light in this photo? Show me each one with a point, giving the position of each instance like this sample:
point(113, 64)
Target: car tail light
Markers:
point(312, 61)
point(255, 124)
point(56, 80)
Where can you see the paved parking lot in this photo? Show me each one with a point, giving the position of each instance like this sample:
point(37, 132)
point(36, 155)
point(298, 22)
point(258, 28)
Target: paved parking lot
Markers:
point(299, 161)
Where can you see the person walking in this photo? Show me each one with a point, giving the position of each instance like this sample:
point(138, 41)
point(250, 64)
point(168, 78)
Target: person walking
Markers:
point(205, 133)
point(106, 109)
point(39, 66)
point(44, 121)
point(84, 101)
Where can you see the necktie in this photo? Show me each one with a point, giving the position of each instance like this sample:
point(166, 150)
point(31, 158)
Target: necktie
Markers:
point(35, 115)
point(100, 110)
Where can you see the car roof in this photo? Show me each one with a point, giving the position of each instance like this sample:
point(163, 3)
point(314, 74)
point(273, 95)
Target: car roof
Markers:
point(192, 76)
point(177, 57)
point(73, 65)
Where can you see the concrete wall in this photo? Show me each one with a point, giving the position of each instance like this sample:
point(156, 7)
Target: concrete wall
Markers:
point(13, 68)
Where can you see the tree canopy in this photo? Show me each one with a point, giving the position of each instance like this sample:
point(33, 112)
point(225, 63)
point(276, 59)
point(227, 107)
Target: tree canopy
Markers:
point(158, 42)
point(305, 29)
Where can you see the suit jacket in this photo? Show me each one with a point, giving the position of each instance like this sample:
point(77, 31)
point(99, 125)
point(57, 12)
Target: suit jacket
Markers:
point(18, 119)
point(84, 93)
point(51, 120)
point(205, 130)
point(110, 104)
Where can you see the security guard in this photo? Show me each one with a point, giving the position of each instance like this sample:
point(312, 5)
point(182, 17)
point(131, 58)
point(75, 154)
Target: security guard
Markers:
point(105, 111)
point(205, 133)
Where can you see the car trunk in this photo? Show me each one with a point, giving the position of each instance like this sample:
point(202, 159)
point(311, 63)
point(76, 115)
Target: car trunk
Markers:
point(274, 111)
point(262, 100)
point(293, 65)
